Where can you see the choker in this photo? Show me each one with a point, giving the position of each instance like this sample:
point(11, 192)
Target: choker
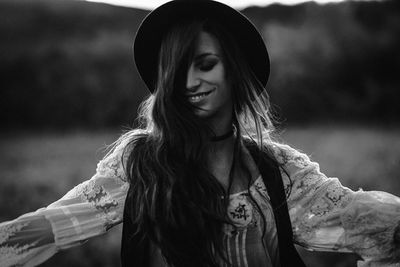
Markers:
point(222, 137)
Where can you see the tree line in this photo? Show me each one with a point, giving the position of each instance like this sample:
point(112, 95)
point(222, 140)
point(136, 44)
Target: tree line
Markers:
point(69, 63)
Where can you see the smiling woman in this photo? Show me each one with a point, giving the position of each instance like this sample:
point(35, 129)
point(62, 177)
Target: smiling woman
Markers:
point(208, 89)
point(201, 182)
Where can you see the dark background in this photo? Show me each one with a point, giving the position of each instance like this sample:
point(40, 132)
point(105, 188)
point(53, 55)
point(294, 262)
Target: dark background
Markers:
point(68, 86)
point(69, 63)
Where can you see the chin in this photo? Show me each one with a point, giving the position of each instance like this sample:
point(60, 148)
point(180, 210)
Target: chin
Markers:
point(204, 114)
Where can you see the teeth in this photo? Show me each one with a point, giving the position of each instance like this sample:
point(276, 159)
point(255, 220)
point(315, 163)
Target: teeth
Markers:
point(197, 97)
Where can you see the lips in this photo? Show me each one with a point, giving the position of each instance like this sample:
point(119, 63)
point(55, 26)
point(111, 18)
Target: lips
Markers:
point(198, 96)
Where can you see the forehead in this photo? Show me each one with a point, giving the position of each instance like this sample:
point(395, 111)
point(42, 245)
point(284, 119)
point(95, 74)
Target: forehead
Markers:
point(207, 43)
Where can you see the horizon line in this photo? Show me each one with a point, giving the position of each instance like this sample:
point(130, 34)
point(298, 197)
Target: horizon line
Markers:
point(237, 4)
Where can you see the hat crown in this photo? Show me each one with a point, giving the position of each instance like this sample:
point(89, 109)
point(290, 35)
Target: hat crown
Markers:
point(149, 35)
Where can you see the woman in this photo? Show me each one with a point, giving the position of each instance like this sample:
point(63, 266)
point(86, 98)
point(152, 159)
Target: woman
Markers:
point(202, 181)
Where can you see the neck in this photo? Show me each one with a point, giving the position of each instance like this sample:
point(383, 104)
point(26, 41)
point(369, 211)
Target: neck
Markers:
point(221, 123)
point(223, 137)
point(223, 144)
point(221, 126)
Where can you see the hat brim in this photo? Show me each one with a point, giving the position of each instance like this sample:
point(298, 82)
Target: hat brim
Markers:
point(150, 33)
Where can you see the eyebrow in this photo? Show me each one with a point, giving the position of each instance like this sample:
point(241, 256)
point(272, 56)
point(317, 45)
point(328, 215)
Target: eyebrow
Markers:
point(203, 55)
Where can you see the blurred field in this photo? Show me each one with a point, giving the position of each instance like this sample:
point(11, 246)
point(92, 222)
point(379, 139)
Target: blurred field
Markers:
point(36, 169)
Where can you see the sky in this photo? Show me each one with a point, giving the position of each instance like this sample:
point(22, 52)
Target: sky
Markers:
point(239, 4)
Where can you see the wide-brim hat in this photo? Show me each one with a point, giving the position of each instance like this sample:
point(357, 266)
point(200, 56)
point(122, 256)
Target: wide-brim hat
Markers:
point(154, 26)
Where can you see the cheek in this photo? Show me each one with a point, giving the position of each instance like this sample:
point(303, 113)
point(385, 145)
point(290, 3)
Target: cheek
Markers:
point(227, 93)
point(217, 77)
point(224, 84)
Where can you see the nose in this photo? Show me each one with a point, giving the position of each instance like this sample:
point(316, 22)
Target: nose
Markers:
point(193, 80)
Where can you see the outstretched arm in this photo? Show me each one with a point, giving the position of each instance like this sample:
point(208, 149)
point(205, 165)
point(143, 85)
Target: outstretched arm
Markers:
point(88, 210)
point(327, 216)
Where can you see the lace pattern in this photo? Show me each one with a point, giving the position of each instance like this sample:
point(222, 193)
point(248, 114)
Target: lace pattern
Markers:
point(11, 254)
point(325, 215)
point(88, 210)
point(243, 237)
point(112, 167)
point(9, 230)
point(94, 194)
point(242, 211)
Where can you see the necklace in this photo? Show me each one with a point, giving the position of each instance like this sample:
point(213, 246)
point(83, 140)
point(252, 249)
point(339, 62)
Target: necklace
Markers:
point(222, 137)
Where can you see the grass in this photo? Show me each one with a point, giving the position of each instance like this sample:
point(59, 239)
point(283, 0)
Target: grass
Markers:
point(36, 169)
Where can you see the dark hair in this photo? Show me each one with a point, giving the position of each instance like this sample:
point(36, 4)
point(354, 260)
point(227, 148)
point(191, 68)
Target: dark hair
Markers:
point(175, 199)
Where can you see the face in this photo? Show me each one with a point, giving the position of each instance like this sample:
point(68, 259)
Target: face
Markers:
point(207, 88)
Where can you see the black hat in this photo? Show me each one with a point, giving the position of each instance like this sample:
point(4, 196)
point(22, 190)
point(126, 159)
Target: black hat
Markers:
point(150, 33)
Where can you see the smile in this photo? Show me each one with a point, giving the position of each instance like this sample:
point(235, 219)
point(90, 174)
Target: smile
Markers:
point(198, 97)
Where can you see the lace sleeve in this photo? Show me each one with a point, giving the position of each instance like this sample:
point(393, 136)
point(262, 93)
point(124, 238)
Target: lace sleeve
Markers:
point(327, 216)
point(88, 210)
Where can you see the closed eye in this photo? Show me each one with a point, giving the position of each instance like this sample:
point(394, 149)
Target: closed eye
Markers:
point(207, 64)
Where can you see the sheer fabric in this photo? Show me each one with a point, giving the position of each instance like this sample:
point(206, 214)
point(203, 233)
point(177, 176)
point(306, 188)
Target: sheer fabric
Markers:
point(243, 240)
point(244, 246)
point(325, 215)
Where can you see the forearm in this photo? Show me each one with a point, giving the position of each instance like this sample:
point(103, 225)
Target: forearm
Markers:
point(27, 240)
point(327, 216)
point(88, 210)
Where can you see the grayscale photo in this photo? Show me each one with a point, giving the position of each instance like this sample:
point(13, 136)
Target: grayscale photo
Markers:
point(200, 133)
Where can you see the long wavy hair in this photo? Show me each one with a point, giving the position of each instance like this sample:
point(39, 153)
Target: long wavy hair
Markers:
point(173, 198)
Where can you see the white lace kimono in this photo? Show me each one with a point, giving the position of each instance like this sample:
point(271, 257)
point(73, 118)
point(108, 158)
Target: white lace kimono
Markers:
point(325, 215)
